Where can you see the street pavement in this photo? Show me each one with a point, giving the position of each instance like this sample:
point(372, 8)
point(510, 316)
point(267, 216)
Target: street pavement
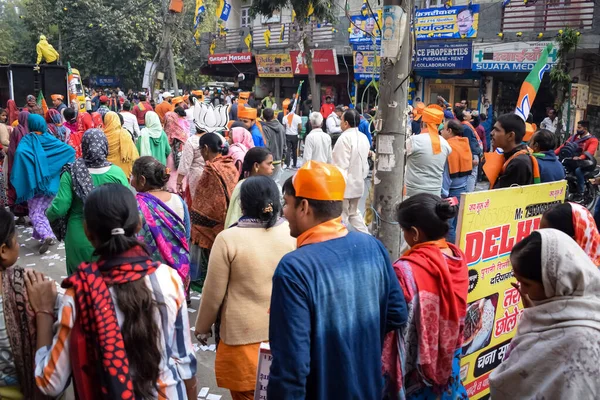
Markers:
point(53, 264)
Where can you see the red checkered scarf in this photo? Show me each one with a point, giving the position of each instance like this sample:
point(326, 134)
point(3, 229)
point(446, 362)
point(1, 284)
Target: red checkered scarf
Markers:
point(586, 232)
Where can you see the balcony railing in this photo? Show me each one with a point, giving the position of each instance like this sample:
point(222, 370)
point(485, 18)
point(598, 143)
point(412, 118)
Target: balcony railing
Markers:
point(234, 40)
point(547, 15)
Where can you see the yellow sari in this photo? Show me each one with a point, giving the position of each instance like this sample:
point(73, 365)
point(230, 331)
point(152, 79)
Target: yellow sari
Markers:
point(121, 149)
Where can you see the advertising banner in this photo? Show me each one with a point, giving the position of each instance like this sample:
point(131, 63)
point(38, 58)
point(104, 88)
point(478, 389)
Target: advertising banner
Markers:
point(447, 23)
point(364, 30)
point(324, 62)
point(455, 55)
point(274, 65)
point(367, 65)
point(230, 58)
point(511, 57)
point(490, 224)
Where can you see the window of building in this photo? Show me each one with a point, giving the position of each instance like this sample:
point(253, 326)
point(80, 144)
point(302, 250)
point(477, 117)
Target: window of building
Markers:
point(245, 17)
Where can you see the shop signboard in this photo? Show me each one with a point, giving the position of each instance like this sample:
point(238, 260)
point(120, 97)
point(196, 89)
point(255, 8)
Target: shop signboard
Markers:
point(230, 58)
point(363, 29)
point(324, 62)
point(447, 23)
point(490, 224)
point(448, 55)
point(274, 65)
point(367, 64)
point(510, 57)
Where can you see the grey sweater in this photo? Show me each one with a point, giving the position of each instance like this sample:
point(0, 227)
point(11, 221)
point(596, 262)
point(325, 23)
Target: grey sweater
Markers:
point(275, 137)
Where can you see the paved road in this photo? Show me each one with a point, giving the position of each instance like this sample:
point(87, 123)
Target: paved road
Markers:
point(53, 264)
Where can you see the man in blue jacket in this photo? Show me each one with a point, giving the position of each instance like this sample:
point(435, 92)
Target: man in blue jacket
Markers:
point(542, 144)
point(333, 300)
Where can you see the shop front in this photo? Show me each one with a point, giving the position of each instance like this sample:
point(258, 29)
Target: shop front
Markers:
point(504, 67)
point(444, 69)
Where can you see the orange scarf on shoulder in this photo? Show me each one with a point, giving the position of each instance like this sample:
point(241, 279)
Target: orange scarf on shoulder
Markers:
point(460, 160)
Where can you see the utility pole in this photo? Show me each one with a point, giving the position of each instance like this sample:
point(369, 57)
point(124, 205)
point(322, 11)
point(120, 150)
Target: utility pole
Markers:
point(392, 120)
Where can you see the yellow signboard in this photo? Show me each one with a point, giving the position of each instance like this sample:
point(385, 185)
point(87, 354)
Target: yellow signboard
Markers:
point(274, 65)
point(490, 223)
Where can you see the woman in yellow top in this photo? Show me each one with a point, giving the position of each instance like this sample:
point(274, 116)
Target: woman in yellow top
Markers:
point(121, 149)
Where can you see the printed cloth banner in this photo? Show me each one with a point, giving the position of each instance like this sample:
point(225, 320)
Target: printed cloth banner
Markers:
point(447, 23)
point(490, 224)
point(274, 65)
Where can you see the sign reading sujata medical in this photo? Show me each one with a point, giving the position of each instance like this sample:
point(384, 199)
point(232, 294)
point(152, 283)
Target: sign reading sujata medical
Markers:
point(232, 58)
point(510, 57)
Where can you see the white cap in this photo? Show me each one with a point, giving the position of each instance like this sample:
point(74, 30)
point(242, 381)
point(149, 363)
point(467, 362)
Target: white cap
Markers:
point(167, 94)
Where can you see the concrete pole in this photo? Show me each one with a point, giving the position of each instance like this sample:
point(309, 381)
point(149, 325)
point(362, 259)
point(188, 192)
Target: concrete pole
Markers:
point(392, 118)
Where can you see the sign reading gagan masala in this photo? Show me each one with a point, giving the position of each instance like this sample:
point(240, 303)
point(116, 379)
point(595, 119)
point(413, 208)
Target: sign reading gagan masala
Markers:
point(274, 65)
point(490, 224)
point(447, 23)
point(232, 58)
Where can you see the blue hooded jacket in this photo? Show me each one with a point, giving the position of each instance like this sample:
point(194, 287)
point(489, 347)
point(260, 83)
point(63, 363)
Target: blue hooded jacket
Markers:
point(551, 170)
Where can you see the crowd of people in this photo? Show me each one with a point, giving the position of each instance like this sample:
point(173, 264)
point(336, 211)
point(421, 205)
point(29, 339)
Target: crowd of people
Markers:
point(153, 201)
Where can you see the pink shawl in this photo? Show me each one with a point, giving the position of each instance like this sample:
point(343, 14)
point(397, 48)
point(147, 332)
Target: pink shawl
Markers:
point(241, 142)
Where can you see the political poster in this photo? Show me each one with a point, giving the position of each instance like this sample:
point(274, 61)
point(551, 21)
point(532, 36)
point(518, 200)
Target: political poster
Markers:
point(274, 65)
point(490, 224)
point(367, 65)
point(263, 371)
point(363, 30)
point(447, 23)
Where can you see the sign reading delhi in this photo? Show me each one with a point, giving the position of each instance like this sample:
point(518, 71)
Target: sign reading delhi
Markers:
point(514, 56)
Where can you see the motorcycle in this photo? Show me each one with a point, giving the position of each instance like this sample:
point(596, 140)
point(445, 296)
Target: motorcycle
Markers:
point(592, 189)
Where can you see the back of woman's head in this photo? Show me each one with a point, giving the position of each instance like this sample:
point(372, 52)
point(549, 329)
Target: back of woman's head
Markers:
point(526, 257)
point(254, 155)
point(260, 199)
point(7, 227)
point(215, 143)
point(180, 111)
point(154, 172)
point(112, 220)
point(559, 217)
point(69, 114)
point(427, 212)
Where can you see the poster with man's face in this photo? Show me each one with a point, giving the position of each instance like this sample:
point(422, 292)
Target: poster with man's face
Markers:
point(459, 22)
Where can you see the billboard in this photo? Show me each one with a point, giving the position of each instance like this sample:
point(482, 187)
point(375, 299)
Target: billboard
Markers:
point(447, 23)
point(274, 65)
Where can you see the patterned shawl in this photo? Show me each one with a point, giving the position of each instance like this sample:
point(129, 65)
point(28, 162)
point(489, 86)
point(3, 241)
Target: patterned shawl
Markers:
point(98, 357)
point(21, 329)
point(54, 120)
point(164, 233)
point(435, 287)
point(94, 148)
point(586, 233)
point(97, 119)
point(176, 134)
point(554, 354)
point(213, 193)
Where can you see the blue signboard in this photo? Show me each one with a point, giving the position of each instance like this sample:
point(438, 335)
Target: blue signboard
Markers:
point(455, 55)
point(104, 80)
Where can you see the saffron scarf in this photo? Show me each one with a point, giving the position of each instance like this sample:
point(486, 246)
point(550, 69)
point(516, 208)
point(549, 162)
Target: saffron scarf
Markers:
point(586, 232)
point(164, 233)
point(38, 161)
point(210, 203)
point(328, 230)
point(100, 364)
point(21, 329)
point(460, 160)
point(442, 296)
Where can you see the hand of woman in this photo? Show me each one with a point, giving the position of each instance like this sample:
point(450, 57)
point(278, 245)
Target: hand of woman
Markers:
point(203, 338)
point(527, 303)
point(42, 292)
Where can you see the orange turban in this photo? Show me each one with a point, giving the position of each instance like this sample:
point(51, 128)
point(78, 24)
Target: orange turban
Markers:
point(57, 97)
point(319, 181)
point(418, 110)
point(197, 92)
point(243, 98)
point(177, 100)
point(247, 112)
point(433, 117)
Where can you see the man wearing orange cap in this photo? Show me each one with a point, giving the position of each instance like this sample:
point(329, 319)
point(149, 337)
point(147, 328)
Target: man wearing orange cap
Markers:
point(247, 116)
point(166, 106)
point(426, 155)
point(333, 299)
point(57, 102)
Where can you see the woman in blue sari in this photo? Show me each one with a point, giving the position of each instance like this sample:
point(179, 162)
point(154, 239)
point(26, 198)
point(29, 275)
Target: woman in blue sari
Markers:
point(165, 217)
point(35, 175)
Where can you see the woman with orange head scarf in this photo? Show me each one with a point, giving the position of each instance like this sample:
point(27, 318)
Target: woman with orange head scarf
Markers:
point(121, 150)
